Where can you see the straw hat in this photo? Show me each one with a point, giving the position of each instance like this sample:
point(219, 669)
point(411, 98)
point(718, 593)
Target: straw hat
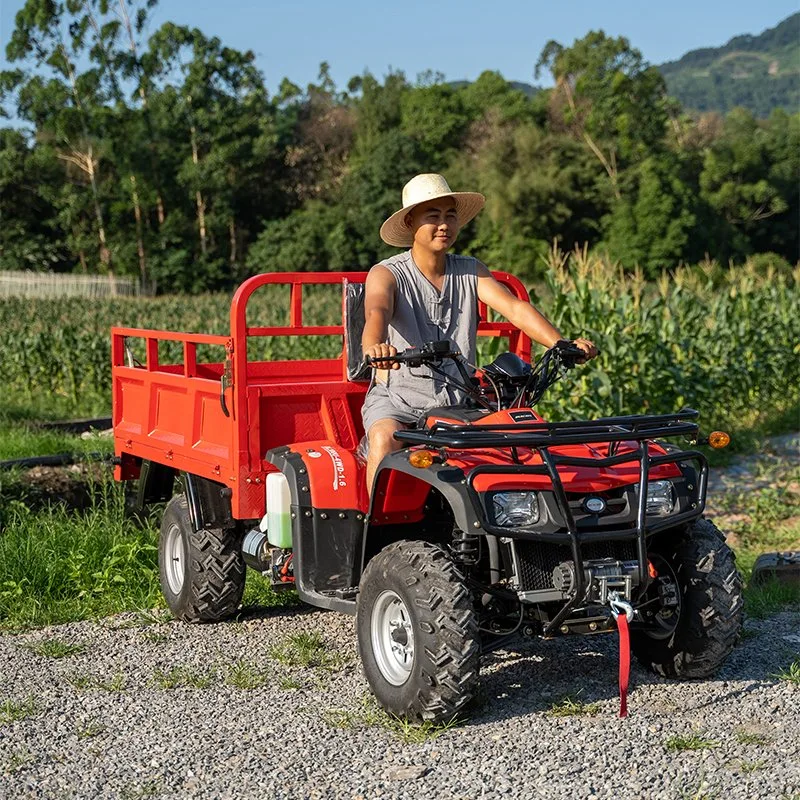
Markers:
point(420, 189)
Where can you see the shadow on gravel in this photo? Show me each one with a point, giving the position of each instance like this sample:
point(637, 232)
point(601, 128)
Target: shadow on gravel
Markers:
point(536, 677)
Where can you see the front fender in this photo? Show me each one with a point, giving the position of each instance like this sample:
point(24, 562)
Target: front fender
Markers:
point(402, 499)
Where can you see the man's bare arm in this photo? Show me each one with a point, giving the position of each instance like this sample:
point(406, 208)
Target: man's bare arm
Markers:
point(521, 314)
point(378, 311)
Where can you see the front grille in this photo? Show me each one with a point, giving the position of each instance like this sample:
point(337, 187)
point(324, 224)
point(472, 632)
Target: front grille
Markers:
point(537, 560)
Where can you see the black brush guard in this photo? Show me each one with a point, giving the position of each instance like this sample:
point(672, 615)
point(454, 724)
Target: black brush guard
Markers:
point(540, 436)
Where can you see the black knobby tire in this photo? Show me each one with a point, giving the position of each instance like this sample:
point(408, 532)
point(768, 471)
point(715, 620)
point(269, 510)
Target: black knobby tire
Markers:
point(202, 572)
point(711, 607)
point(444, 669)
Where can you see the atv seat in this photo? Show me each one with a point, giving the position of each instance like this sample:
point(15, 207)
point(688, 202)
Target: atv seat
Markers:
point(353, 322)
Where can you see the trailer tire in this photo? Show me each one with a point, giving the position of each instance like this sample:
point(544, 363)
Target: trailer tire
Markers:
point(202, 572)
point(710, 614)
point(412, 593)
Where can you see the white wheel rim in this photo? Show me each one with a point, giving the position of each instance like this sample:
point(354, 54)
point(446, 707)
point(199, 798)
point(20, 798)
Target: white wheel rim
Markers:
point(392, 638)
point(174, 556)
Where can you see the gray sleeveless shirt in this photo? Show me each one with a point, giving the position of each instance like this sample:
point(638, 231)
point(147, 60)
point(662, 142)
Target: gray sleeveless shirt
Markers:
point(423, 314)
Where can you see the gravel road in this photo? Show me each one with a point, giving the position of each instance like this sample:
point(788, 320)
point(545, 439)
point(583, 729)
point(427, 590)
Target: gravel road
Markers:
point(102, 724)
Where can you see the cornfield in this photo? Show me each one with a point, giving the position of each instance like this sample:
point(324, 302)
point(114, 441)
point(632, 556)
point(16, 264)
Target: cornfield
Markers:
point(724, 341)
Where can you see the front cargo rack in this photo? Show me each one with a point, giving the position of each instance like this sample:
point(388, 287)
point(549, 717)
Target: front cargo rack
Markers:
point(541, 436)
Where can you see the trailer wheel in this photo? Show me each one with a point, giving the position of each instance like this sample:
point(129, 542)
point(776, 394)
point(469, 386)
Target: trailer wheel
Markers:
point(695, 631)
point(417, 632)
point(202, 572)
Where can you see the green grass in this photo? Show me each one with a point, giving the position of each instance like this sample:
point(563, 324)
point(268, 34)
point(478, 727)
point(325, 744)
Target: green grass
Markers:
point(58, 566)
point(180, 677)
point(791, 673)
point(85, 682)
point(13, 711)
point(694, 741)
point(572, 706)
point(54, 648)
point(90, 730)
point(370, 715)
point(764, 519)
point(258, 593)
point(307, 649)
point(747, 737)
point(243, 675)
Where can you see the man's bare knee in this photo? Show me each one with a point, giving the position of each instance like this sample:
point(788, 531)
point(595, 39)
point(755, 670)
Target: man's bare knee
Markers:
point(381, 436)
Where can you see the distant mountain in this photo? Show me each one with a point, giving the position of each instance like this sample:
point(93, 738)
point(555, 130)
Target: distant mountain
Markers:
point(758, 72)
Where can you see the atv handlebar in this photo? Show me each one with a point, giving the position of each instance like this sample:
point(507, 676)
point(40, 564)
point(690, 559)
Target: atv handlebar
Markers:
point(428, 353)
point(435, 352)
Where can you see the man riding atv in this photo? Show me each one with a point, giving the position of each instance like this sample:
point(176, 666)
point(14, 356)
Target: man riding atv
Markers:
point(425, 295)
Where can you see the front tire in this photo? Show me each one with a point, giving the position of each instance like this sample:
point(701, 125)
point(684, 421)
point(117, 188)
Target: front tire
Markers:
point(202, 572)
point(695, 633)
point(417, 632)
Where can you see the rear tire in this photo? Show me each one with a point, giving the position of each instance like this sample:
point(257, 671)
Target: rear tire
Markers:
point(202, 572)
point(709, 620)
point(417, 632)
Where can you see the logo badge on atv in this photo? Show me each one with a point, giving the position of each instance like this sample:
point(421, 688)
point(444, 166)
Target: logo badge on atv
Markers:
point(596, 505)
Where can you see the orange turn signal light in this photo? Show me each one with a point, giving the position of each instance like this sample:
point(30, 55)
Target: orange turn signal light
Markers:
point(421, 458)
point(718, 439)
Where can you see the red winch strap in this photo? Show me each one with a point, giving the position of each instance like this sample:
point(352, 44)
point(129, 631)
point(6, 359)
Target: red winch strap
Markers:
point(624, 663)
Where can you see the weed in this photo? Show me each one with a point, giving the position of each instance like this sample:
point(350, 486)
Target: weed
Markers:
point(418, 733)
point(54, 648)
point(370, 715)
point(287, 683)
point(181, 676)
point(115, 684)
point(748, 767)
point(149, 789)
point(18, 759)
point(700, 792)
point(769, 598)
point(90, 730)
point(307, 649)
point(245, 676)
point(11, 711)
point(745, 737)
point(790, 673)
point(571, 706)
point(156, 637)
point(694, 742)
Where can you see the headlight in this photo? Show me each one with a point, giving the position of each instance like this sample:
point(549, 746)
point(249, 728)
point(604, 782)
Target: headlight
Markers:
point(515, 509)
point(660, 498)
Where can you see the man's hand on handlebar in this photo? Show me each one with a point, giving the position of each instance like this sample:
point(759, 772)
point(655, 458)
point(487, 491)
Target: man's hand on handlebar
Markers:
point(588, 347)
point(575, 352)
point(376, 354)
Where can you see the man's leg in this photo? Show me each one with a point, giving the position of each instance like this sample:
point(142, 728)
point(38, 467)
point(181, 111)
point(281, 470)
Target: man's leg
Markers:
point(381, 443)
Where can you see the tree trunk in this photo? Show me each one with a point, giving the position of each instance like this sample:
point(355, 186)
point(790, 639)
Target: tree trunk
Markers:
point(232, 233)
point(105, 253)
point(201, 206)
point(137, 212)
point(126, 20)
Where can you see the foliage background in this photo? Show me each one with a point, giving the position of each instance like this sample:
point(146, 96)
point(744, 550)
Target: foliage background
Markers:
point(164, 157)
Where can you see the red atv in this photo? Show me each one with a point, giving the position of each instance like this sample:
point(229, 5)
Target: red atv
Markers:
point(490, 524)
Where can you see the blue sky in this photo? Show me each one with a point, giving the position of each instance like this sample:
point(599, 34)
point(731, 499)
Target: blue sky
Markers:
point(459, 39)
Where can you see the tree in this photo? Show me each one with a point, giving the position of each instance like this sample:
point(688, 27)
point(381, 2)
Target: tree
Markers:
point(607, 96)
point(749, 175)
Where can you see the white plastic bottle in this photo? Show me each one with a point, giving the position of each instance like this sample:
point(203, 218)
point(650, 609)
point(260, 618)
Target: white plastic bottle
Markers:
point(279, 501)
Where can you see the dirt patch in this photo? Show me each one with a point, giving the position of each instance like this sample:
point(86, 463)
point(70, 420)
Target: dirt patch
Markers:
point(71, 487)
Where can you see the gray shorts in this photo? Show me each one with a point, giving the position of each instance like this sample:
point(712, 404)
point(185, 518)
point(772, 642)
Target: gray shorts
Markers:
point(378, 405)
